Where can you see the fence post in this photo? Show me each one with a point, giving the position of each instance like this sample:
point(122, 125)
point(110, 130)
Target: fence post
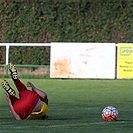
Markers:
point(7, 58)
point(6, 68)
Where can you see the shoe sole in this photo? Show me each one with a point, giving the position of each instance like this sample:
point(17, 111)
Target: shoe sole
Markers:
point(7, 88)
point(13, 71)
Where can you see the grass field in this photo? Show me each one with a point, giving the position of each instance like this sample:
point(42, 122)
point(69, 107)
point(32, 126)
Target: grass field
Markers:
point(75, 107)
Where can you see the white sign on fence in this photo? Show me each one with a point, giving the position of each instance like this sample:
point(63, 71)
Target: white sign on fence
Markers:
point(83, 60)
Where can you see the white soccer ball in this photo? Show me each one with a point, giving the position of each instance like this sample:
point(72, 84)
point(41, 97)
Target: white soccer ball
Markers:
point(110, 113)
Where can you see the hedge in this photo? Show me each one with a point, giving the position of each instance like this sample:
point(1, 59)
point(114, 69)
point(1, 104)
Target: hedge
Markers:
point(42, 21)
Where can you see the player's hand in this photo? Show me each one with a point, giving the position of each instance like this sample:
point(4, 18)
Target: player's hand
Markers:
point(29, 84)
point(8, 99)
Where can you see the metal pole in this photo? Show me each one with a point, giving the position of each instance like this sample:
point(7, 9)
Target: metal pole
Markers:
point(7, 58)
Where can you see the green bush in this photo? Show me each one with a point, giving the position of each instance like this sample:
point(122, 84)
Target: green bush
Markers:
point(82, 21)
point(63, 21)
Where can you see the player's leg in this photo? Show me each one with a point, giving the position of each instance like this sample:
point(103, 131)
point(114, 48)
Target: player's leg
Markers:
point(19, 85)
point(9, 90)
point(14, 74)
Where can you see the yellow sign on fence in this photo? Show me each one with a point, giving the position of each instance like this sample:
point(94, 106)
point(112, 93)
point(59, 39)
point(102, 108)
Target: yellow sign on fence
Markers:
point(125, 61)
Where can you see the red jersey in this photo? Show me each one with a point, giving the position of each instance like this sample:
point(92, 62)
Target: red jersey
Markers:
point(24, 106)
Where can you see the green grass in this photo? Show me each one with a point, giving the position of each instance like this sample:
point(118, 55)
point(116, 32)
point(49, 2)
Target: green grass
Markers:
point(75, 106)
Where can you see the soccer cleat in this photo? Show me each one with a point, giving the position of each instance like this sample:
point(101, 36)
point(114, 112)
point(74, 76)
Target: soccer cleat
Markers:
point(13, 71)
point(8, 88)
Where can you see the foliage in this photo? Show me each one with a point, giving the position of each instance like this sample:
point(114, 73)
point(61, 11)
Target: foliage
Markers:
point(82, 21)
point(27, 55)
point(30, 55)
point(24, 21)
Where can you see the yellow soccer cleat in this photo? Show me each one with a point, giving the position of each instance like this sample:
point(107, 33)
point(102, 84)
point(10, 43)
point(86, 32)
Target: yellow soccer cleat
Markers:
point(8, 88)
point(13, 71)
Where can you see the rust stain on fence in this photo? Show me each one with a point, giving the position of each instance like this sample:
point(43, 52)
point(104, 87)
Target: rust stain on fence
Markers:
point(62, 68)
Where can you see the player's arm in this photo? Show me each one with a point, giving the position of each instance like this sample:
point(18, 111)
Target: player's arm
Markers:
point(42, 94)
point(15, 115)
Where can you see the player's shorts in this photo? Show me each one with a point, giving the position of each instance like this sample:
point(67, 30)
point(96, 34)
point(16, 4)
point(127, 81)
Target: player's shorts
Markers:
point(40, 114)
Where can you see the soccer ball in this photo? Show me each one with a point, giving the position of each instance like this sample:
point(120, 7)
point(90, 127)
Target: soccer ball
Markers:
point(110, 113)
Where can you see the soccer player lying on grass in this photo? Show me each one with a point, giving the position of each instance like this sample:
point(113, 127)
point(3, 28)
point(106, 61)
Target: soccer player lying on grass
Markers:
point(31, 104)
